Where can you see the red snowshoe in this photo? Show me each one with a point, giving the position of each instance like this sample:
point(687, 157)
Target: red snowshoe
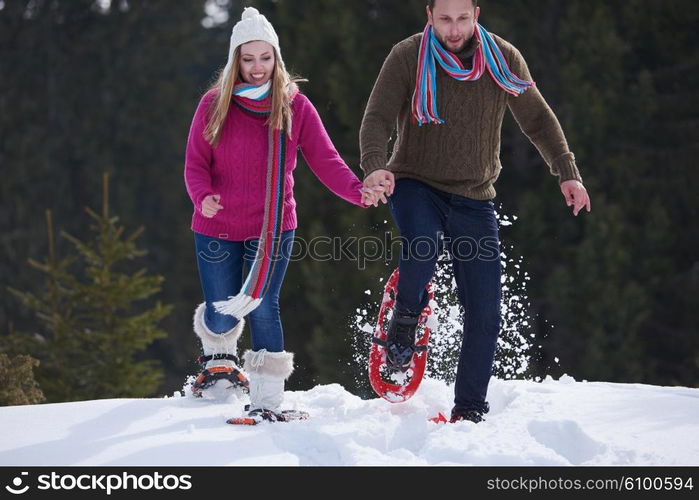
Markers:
point(393, 385)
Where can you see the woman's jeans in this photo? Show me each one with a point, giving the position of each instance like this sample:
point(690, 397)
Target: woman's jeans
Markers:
point(429, 221)
point(223, 265)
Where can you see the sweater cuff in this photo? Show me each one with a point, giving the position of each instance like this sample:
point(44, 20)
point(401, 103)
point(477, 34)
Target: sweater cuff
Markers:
point(564, 167)
point(371, 164)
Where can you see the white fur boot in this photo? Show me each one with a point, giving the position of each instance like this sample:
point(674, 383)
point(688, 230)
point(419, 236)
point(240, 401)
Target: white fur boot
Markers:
point(268, 371)
point(219, 357)
point(217, 343)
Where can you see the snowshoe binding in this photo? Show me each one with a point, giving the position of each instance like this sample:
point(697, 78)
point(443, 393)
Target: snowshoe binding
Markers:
point(400, 339)
point(210, 376)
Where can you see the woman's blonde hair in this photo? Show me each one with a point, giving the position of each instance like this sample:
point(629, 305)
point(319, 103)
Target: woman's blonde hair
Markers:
point(282, 85)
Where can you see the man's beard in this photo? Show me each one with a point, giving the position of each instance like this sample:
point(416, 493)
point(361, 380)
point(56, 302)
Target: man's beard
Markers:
point(444, 43)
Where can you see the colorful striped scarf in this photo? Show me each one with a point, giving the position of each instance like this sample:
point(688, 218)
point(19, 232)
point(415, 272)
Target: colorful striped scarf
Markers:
point(257, 100)
point(487, 55)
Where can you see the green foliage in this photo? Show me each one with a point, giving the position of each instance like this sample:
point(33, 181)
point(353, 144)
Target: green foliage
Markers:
point(93, 325)
point(616, 283)
point(17, 384)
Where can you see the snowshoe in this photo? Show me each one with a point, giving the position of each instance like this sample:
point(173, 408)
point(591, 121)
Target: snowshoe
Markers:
point(209, 376)
point(439, 419)
point(473, 415)
point(397, 364)
point(258, 416)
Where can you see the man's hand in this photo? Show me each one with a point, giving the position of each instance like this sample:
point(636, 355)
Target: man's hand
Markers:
point(210, 205)
point(383, 179)
point(575, 195)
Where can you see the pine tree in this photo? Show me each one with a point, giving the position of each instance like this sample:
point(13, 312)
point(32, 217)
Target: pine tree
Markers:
point(17, 383)
point(93, 322)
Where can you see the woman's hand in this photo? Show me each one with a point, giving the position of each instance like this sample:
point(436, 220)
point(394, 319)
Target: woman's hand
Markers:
point(210, 205)
point(372, 195)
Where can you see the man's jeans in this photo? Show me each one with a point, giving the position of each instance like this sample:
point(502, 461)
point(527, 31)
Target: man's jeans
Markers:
point(222, 267)
point(429, 221)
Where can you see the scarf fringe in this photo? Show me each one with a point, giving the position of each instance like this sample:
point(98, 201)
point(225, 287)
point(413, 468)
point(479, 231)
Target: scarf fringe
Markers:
point(239, 306)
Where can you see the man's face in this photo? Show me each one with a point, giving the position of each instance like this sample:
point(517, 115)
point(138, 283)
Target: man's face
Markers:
point(453, 22)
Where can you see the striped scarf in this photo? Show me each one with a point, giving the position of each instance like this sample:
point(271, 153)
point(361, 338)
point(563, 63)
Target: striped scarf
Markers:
point(488, 55)
point(257, 100)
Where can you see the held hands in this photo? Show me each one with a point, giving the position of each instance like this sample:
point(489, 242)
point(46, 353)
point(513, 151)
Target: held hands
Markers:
point(575, 195)
point(210, 206)
point(372, 195)
point(377, 186)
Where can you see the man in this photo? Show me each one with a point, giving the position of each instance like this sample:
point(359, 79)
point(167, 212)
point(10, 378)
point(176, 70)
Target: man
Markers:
point(446, 90)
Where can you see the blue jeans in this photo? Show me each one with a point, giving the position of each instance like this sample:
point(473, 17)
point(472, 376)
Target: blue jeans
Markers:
point(430, 221)
point(223, 265)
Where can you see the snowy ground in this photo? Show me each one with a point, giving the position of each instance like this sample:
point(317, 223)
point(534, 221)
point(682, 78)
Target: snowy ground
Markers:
point(560, 422)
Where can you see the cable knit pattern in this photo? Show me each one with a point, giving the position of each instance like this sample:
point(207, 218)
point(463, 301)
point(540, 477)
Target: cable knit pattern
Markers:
point(236, 168)
point(462, 155)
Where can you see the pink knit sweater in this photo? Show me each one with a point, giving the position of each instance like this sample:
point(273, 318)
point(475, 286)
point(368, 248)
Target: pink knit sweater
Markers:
point(236, 168)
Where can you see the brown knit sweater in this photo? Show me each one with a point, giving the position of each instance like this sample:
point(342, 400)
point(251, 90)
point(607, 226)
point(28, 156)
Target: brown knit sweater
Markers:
point(462, 155)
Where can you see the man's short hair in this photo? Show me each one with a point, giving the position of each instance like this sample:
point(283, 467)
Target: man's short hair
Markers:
point(430, 3)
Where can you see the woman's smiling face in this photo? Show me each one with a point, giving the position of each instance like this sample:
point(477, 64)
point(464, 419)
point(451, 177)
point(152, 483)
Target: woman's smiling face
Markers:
point(256, 62)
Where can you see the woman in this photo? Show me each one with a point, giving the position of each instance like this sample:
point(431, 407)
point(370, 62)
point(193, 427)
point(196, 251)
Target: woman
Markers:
point(241, 153)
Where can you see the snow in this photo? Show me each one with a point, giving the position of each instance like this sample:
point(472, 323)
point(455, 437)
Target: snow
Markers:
point(554, 422)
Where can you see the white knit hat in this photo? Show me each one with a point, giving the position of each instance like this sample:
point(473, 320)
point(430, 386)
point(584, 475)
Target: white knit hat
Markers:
point(252, 26)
